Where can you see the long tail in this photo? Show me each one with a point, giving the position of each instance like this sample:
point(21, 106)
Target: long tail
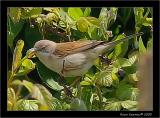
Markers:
point(113, 43)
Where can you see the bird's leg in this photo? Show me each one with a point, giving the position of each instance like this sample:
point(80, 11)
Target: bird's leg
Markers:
point(76, 81)
point(66, 89)
point(63, 67)
point(104, 59)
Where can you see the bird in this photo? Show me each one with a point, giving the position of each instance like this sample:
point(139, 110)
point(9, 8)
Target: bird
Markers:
point(73, 59)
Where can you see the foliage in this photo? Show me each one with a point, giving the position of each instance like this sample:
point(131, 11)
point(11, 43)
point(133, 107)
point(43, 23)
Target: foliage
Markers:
point(106, 86)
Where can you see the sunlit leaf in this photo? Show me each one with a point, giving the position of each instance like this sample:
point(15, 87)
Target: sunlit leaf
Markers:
point(120, 49)
point(133, 77)
point(104, 78)
point(11, 95)
point(30, 12)
point(129, 104)
point(115, 79)
point(26, 67)
point(148, 22)
point(75, 13)
point(94, 32)
point(138, 11)
point(142, 48)
point(66, 19)
point(114, 106)
point(52, 17)
point(87, 11)
point(84, 23)
point(53, 84)
point(17, 82)
point(133, 57)
point(17, 55)
point(9, 105)
point(107, 17)
point(84, 83)
point(27, 105)
point(122, 62)
point(14, 13)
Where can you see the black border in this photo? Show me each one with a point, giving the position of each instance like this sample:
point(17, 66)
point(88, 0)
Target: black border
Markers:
point(5, 4)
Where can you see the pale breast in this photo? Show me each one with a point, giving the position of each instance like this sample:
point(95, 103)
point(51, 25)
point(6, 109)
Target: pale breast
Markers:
point(51, 61)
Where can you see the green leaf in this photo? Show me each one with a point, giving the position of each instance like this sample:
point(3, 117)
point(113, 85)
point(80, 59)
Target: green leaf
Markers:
point(126, 91)
point(115, 80)
point(46, 99)
point(150, 44)
point(50, 17)
point(78, 105)
point(106, 16)
point(84, 23)
point(86, 96)
point(40, 93)
point(48, 77)
point(26, 67)
point(30, 12)
point(121, 48)
point(11, 95)
point(125, 14)
point(104, 78)
point(15, 13)
point(17, 55)
point(113, 106)
point(13, 30)
point(129, 104)
point(148, 22)
point(87, 11)
point(53, 84)
point(133, 57)
point(94, 32)
point(122, 62)
point(138, 12)
point(85, 83)
point(130, 69)
point(75, 13)
point(142, 48)
point(133, 77)
point(66, 19)
point(27, 105)
point(17, 82)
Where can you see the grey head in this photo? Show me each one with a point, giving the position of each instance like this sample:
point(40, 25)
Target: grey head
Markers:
point(44, 46)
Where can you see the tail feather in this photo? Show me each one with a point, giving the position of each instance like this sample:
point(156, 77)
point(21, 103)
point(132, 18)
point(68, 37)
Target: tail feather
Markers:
point(113, 43)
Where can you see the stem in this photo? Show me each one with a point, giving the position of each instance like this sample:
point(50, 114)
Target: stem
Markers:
point(15, 71)
point(100, 97)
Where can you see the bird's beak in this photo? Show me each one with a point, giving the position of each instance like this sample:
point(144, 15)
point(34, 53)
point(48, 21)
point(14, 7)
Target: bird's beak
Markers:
point(32, 52)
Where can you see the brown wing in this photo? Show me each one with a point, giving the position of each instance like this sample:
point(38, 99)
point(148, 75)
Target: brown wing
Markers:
point(64, 49)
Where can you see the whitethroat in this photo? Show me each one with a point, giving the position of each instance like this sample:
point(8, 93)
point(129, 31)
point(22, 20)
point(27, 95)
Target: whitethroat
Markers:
point(72, 59)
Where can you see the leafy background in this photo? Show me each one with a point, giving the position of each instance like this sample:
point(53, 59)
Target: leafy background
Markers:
point(107, 86)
